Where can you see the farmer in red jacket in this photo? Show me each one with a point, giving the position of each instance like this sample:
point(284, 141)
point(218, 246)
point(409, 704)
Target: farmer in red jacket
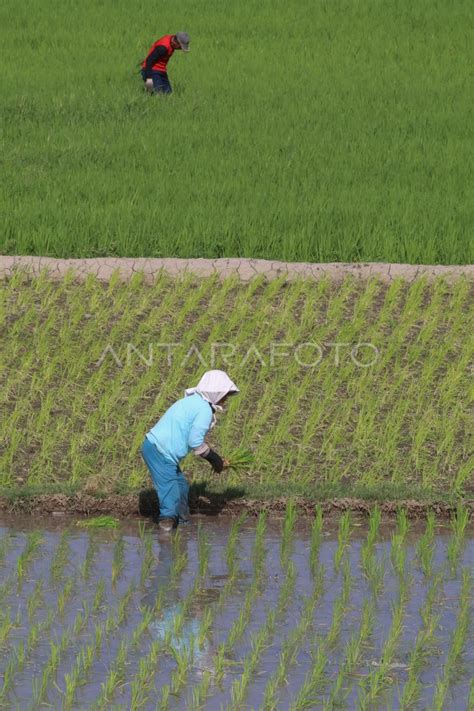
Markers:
point(154, 67)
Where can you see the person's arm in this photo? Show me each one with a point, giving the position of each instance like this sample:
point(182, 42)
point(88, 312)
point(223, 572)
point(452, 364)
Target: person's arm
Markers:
point(216, 461)
point(158, 53)
point(197, 443)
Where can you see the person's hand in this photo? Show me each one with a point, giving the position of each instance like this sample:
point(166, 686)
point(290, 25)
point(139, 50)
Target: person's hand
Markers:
point(226, 463)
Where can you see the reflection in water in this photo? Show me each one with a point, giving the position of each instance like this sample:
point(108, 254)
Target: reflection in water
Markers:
point(178, 625)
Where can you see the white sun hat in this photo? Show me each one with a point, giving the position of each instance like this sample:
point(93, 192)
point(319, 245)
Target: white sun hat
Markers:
point(213, 386)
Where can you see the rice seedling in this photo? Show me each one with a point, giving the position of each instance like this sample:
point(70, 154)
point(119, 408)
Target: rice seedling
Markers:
point(33, 542)
point(184, 661)
point(204, 551)
point(398, 554)
point(85, 568)
point(458, 527)
point(122, 608)
point(342, 539)
point(99, 596)
point(425, 546)
point(402, 523)
point(164, 698)
point(372, 567)
point(141, 686)
point(287, 532)
point(36, 631)
point(142, 528)
point(65, 594)
point(200, 692)
point(398, 543)
point(60, 557)
point(8, 681)
point(231, 546)
point(259, 549)
point(180, 558)
point(35, 599)
point(315, 541)
point(5, 544)
point(118, 559)
point(148, 559)
point(7, 623)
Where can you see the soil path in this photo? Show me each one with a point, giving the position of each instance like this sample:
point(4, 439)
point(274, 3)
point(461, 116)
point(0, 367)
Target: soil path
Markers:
point(245, 269)
point(146, 504)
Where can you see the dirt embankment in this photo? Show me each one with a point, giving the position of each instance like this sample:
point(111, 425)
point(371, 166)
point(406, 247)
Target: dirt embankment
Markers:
point(245, 269)
point(146, 504)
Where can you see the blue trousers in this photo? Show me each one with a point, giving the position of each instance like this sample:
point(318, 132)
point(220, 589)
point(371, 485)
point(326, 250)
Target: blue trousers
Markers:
point(169, 482)
point(161, 83)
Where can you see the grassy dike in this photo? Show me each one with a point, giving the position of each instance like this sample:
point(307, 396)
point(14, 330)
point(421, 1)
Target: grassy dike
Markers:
point(355, 390)
point(300, 131)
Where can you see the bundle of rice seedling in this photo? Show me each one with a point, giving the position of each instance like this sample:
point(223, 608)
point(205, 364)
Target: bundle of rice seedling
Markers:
point(99, 522)
point(241, 458)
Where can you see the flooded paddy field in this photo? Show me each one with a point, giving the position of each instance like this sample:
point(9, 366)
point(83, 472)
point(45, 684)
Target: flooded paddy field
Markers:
point(243, 613)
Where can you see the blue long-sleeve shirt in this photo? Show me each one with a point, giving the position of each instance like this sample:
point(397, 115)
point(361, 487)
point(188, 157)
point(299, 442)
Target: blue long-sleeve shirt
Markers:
point(182, 428)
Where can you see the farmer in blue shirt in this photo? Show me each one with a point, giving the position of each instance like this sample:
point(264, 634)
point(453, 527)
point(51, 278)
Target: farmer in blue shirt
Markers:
point(182, 429)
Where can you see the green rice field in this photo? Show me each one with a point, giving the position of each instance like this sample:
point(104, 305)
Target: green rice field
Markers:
point(352, 389)
point(238, 614)
point(301, 131)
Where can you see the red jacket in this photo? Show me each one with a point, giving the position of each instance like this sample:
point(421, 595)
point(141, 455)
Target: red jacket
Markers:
point(160, 64)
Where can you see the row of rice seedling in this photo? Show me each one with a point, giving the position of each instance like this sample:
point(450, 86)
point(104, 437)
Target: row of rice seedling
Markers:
point(373, 685)
point(260, 639)
point(315, 678)
point(291, 645)
point(402, 419)
point(372, 567)
point(458, 641)
point(352, 657)
point(425, 546)
point(424, 641)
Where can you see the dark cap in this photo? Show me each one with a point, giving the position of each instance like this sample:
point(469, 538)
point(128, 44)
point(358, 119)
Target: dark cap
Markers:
point(183, 40)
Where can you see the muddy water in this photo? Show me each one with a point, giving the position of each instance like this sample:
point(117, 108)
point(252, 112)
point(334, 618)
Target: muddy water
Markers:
point(40, 678)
